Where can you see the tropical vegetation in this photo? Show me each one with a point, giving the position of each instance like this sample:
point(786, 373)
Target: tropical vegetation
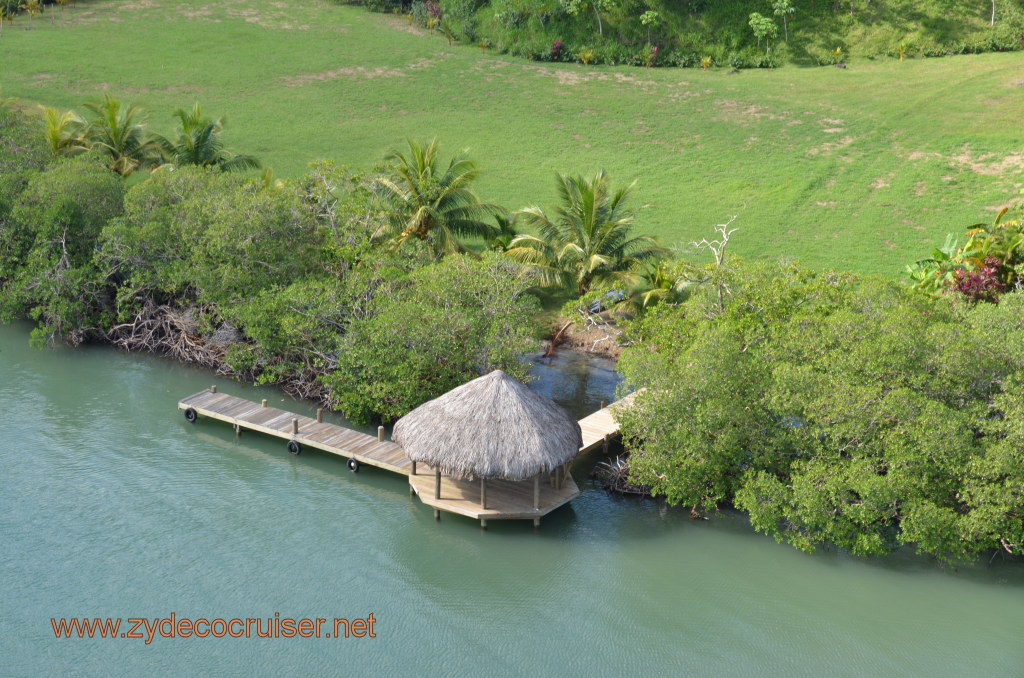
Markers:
point(834, 409)
point(848, 173)
point(119, 132)
point(425, 200)
point(587, 239)
point(739, 33)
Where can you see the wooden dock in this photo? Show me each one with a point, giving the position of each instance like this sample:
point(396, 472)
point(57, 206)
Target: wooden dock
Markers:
point(504, 500)
point(600, 427)
point(306, 431)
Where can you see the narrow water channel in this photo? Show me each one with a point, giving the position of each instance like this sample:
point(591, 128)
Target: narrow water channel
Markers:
point(111, 505)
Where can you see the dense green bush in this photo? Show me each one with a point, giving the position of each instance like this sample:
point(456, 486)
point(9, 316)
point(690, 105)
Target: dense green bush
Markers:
point(834, 409)
point(452, 321)
point(685, 32)
point(47, 244)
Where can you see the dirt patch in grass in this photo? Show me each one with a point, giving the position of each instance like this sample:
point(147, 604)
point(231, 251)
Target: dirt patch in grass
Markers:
point(990, 164)
point(829, 147)
point(400, 23)
point(571, 76)
point(742, 113)
point(271, 20)
point(358, 72)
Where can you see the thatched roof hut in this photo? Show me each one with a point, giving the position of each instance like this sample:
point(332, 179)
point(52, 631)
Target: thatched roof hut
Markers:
point(492, 427)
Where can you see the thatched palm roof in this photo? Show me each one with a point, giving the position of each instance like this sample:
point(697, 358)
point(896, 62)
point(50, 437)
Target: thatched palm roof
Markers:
point(492, 427)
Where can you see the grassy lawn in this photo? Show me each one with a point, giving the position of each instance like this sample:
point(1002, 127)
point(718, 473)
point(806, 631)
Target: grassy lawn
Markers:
point(863, 168)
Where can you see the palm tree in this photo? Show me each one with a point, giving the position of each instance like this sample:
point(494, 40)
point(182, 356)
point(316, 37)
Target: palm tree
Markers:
point(420, 201)
point(32, 7)
point(65, 132)
point(199, 143)
point(588, 240)
point(5, 15)
point(658, 282)
point(504, 234)
point(120, 133)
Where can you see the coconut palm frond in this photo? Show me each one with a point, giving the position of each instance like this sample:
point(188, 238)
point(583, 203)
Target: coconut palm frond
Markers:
point(421, 201)
point(587, 236)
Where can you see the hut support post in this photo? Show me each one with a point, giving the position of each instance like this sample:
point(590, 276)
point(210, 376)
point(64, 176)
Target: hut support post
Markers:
point(437, 483)
point(536, 491)
point(414, 468)
point(483, 495)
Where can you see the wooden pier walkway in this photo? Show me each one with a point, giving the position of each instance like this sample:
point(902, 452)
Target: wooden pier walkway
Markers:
point(598, 428)
point(505, 500)
point(307, 432)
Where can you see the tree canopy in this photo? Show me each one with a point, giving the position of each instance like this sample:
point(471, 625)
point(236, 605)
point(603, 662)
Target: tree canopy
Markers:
point(421, 199)
point(587, 239)
point(834, 409)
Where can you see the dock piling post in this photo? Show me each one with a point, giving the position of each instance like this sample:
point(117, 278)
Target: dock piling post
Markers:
point(437, 514)
point(380, 434)
point(213, 389)
point(319, 415)
point(605, 444)
point(483, 523)
point(536, 522)
point(264, 403)
point(295, 425)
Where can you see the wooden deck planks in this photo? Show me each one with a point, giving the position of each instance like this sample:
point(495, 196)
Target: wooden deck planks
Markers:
point(601, 425)
point(505, 499)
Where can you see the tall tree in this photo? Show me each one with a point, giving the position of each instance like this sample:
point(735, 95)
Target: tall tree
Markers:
point(5, 15)
point(785, 9)
point(430, 202)
point(120, 133)
point(199, 143)
point(764, 28)
point(31, 7)
point(574, 7)
point(587, 239)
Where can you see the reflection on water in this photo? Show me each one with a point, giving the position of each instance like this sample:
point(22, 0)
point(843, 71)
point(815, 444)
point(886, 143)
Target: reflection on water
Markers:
point(112, 505)
point(577, 381)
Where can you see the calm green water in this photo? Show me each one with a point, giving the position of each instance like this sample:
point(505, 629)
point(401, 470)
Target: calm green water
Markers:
point(112, 505)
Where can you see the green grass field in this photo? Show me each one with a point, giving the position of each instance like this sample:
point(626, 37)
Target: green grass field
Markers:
point(863, 168)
